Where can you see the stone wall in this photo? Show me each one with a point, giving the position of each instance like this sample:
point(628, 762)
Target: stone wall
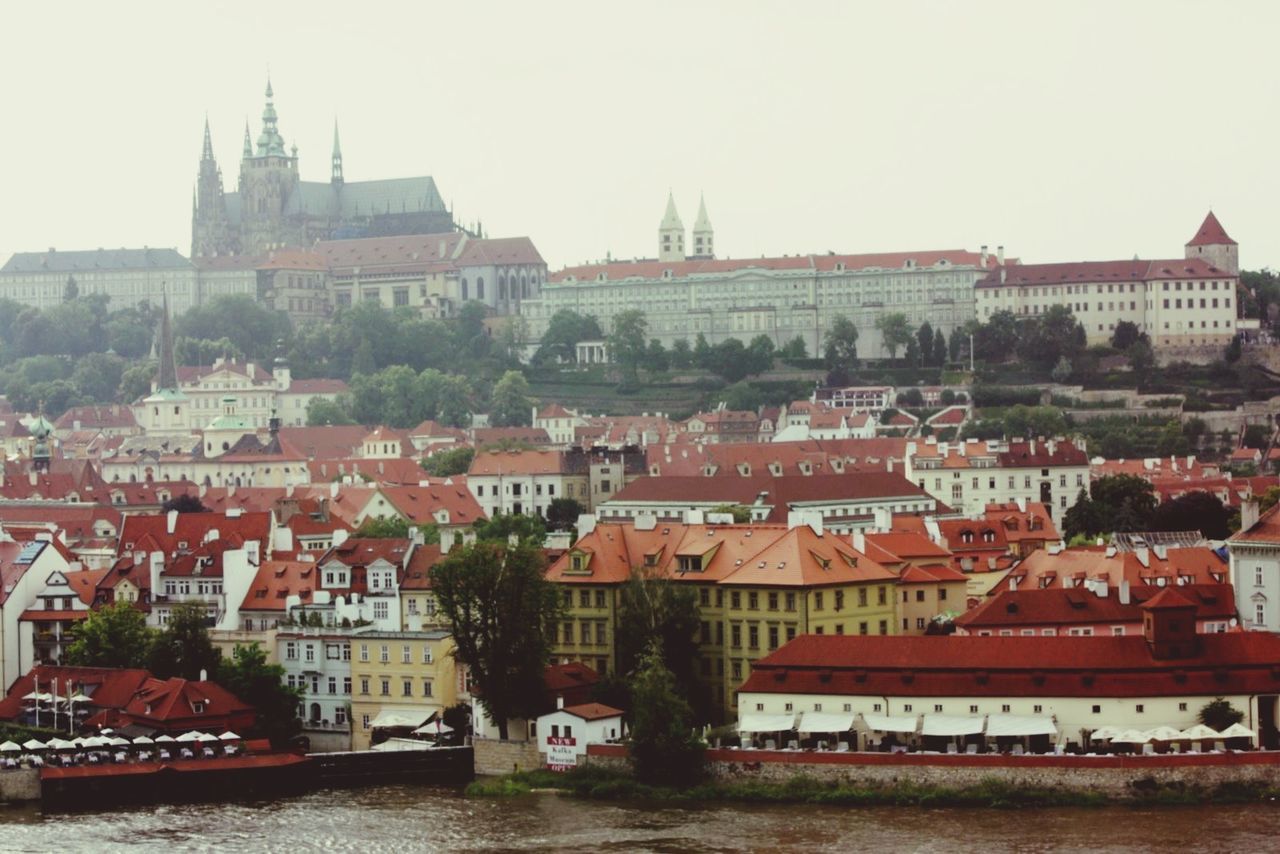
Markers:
point(493, 757)
point(1116, 776)
point(20, 784)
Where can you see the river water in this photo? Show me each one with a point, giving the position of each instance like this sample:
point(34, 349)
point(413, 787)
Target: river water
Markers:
point(421, 818)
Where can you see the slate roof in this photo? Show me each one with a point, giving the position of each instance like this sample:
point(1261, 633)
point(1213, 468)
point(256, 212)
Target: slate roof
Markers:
point(95, 259)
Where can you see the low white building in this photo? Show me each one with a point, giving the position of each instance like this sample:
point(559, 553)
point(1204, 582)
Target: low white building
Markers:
point(563, 735)
point(1255, 567)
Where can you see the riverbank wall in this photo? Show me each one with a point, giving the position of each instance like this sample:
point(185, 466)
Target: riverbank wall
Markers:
point(1118, 777)
point(495, 758)
point(374, 768)
point(19, 784)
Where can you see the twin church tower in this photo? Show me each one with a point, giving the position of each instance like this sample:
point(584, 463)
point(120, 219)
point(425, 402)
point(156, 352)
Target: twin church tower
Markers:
point(273, 207)
point(671, 235)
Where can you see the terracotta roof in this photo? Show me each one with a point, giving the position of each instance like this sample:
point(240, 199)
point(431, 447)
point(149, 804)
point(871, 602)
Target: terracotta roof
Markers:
point(1124, 666)
point(490, 463)
point(276, 580)
point(1170, 597)
point(107, 687)
point(1211, 233)
point(362, 551)
point(420, 502)
point(1057, 606)
point(1078, 272)
point(332, 442)
point(157, 701)
point(592, 711)
point(111, 416)
point(1198, 565)
point(495, 435)
point(417, 575)
point(931, 575)
point(1265, 530)
point(292, 259)
point(318, 385)
point(393, 470)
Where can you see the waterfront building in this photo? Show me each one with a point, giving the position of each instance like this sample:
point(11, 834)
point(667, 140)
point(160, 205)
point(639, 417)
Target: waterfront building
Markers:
point(1152, 566)
point(684, 295)
point(1255, 567)
point(516, 482)
point(273, 207)
point(26, 569)
point(758, 585)
point(317, 661)
point(399, 680)
point(1186, 306)
point(969, 475)
point(1073, 686)
point(563, 735)
point(46, 626)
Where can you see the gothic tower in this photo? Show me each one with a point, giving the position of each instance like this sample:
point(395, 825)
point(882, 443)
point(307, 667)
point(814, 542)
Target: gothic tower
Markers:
point(336, 175)
point(211, 232)
point(1213, 245)
point(268, 178)
point(704, 238)
point(671, 234)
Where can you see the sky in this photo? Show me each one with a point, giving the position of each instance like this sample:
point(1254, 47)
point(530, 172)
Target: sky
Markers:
point(1062, 131)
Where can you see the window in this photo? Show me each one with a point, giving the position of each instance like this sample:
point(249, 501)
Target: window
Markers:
point(386, 687)
point(364, 652)
point(773, 637)
point(753, 601)
point(1005, 708)
point(1257, 576)
point(1139, 708)
point(406, 654)
point(291, 651)
point(1182, 707)
point(973, 710)
point(937, 708)
point(408, 688)
point(817, 601)
point(333, 684)
point(1097, 710)
point(753, 637)
point(379, 610)
point(426, 688)
point(735, 636)
point(364, 719)
point(427, 657)
point(346, 685)
point(906, 707)
point(364, 684)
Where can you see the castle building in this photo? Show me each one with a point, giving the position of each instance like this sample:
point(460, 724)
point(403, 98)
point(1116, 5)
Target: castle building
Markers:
point(274, 207)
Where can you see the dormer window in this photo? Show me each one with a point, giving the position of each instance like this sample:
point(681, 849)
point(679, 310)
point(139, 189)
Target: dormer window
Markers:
point(198, 707)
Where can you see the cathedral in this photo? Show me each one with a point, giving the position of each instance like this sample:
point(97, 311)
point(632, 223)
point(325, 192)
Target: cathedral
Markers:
point(273, 207)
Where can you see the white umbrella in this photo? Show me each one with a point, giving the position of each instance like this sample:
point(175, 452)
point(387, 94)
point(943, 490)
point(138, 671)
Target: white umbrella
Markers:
point(165, 737)
point(1238, 731)
point(1131, 736)
point(43, 698)
point(79, 698)
point(188, 737)
point(142, 739)
point(11, 747)
point(1105, 733)
point(61, 744)
point(433, 728)
point(1199, 732)
point(79, 741)
point(229, 736)
point(1164, 733)
point(204, 737)
point(117, 741)
point(34, 745)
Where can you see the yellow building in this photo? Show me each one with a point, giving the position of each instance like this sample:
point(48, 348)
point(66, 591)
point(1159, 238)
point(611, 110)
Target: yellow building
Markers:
point(757, 585)
point(398, 680)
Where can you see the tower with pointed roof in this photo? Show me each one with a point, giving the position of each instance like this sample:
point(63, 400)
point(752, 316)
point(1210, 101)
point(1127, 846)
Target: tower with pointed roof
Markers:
point(1212, 244)
point(671, 233)
point(335, 175)
point(704, 237)
point(211, 232)
point(267, 182)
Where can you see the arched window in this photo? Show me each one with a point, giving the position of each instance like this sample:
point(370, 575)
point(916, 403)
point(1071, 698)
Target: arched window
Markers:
point(315, 712)
point(479, 287)
point(464, 291)
point(502, 288)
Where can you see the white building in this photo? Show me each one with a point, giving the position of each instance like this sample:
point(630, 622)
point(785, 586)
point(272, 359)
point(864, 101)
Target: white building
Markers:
point(1255, 567)
point(317, 661)
point(563, 735)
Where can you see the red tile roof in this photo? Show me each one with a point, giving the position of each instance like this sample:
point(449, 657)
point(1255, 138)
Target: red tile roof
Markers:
point(592, 711)
point(107, 687)
point(1073, 272)
point(1265, 530)
point(1056, 606)
point(333, 442)
point(111, 416)
point(277, 580)
point(192, 528)
point(1211, 233)
point(931, 575)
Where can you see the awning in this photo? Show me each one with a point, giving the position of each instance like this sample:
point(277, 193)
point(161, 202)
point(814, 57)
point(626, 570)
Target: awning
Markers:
point(825, 722)
point(434, 728)
point(406, 716)
point(402, 744)
point(1238, 731)
point(888, 723)
point(1018, 725)
point(950, 725)
point(767, 723)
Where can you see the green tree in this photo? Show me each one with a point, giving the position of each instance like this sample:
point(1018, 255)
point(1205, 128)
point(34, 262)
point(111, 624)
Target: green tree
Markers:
point(912, 354)
point(1256, 436)
point(939, 349)
point(924, 343)
point(663, 748)
point(1219, 714)
point(502, 610)
point(563, 513)
point(112, 636)
point(182, 648)
point(654, 610)
point(741, 396)
point(681, 354)
point(322, 412)
point(958, 345)
point(1054, 335)
point(1082, 518)
point(795, 349)
point(449, 462)
point(1195, 511)
point(362, 363)
point(71, 290)
point(383, 528)
point(729, 359)
point(997, 339)
point(510, 405)
point(97, 376)
point(1268, 499)
point(701, 351)
point(184, 503)
point(741, 515)
point(248, 675)
point(500, 527)
point(565, 329)
point(656, 357)
point(252, 327)
point(1062, 370)
point(135, 382)
point(841, 344)
point(627, 343)
point(1126, 502)
point(895, 332)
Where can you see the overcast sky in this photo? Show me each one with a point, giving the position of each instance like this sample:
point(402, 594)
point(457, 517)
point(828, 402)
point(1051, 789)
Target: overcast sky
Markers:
point(1084, 130)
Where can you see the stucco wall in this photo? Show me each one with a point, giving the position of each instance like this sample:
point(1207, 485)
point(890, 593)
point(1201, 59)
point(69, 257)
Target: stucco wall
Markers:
point(502, 757)
point(21, 784)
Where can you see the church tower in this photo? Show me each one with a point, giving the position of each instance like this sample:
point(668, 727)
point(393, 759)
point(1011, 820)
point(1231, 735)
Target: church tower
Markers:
point(1212, 244)
point(336, 175)
point(704, 237)
point(268, 179)
point(210, 228)
point(671, 234)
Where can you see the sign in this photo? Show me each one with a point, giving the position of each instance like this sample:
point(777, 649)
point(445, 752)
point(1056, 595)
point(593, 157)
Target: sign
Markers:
point(561, 755)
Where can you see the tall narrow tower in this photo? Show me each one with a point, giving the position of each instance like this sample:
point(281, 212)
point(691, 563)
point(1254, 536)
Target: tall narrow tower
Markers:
point(268, 179)
point(704, 238)
point(168, 378)
point(210, 228)
point(336, 175)
point(671, 234)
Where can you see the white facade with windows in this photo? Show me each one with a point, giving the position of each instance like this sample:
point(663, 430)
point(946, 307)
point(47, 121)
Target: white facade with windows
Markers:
point(317, 661)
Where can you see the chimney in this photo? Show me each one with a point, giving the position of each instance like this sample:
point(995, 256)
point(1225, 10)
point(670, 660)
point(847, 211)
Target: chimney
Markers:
point(1122, 592)
point(155, 565)
point(859, 541)
point(33, 477)
point(1002, 275)
point(1000, 255)
point(559, 701)
point(1248, 513)
point(204, 675)
point(984, 255)
point(339, 537)
point(586, 524)
point(171, 521)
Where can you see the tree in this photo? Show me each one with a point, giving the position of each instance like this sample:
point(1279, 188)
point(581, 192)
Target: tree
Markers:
point(662, 745)
point(97, 376)
point(565, 329)
point(182, 648)
point(252, 327)
point(1062, 370)
point(741, 396)
point(184, 503)
point(71, 290)
point(1126, 334)
point(248, 675)
point(383, 528)
point(701, 351)
point(924, 342)
point(1195, 511)
point(502, 610)
point(135, 382)
point(997, 339)
point(500, 527)
point(1082, 519)
point(729, 359)
point(1054, 335)
point(656, 612)
point(112, 636)
point(910, 397)
point(957, 345)
point(1141, 357)
point(563, 513)
point(449, 462)
point(627, 343)
point(656, 357)
point(895, 332)
point(939, 349)
point(1256, 436)
point(1219, 714)
point(760, 353)
point(912, 354)
point(322, 412)
point(795, 349)
point(1126, 502)
point(1268, 499)
point(841, 344)
point(510, 405)
point(681, 354)
point(362, 363)
point(741, 515)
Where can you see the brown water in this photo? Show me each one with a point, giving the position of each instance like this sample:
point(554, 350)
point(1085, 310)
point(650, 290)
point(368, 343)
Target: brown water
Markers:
point(419, 818)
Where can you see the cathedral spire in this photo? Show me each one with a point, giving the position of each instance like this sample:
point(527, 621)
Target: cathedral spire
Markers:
point(270, 142)
point(336, 176)
point(703, 234)
point(168, 361)
point(248, 141)
point(207, 153)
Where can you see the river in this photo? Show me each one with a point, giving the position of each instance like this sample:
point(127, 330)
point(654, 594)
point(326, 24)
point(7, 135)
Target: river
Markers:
point(421, 818)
